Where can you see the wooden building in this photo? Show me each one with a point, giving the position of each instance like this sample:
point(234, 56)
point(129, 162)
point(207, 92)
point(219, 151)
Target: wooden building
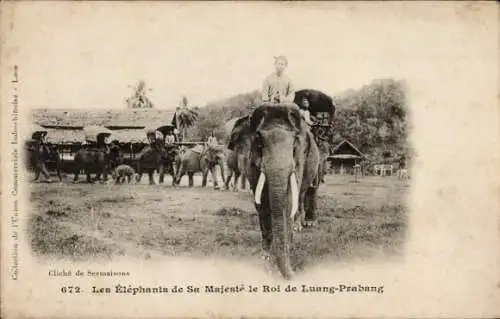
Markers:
point(344, 156)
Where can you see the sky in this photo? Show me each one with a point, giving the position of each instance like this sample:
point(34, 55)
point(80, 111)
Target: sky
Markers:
point(87, 55)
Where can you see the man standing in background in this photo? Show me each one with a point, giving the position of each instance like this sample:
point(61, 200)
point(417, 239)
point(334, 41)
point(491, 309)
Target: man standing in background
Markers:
point(278, 87)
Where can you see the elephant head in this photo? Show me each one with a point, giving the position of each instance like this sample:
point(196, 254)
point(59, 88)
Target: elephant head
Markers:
point(282, 153)
point(171, 153)
point(115, 155)
point(214, 156)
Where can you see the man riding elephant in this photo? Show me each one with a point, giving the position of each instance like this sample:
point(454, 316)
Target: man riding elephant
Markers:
point(201, 159)
point(160, 155)
point(96, 155)
point(41, 153)
point(150, 157)
point(277, 87)
point(283, 167)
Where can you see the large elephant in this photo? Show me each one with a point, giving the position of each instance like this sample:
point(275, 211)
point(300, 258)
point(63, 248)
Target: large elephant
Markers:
point(39, 154)
point(100, 159)
point(238, 152)
point(234, 170)
point(156, 157)
point(201, 159)
point(283, 174)
point(169, 162)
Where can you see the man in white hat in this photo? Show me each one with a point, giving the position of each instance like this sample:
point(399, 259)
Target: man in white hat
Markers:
point(278, 87)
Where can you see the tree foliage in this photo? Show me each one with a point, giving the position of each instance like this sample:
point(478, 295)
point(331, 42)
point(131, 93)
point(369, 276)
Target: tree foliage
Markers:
point(214, 115)
point(139, 99)
point(186, 116)
point(374, 118)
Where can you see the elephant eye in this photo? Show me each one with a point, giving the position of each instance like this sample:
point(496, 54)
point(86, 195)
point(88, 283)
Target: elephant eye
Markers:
point(258, 141)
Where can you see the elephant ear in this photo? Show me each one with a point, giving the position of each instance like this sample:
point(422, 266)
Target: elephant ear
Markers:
point(312, 159)
point(295, 119)
point(237, 132)
point(257, 118)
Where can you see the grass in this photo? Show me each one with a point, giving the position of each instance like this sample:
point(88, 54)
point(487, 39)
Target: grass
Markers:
point(80, 221)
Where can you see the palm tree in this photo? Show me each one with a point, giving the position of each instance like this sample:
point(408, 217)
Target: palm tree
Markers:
point(139, 100)
point(185, 116)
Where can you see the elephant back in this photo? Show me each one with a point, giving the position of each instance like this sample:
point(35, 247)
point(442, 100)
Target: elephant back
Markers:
point(149, 156)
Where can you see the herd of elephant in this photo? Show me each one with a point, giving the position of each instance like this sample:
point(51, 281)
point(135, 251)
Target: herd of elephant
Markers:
point(273, 149)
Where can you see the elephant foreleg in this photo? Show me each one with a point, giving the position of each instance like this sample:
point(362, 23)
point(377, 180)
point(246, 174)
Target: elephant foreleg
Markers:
point(105, 174)
point(177, 178)
point(58, 170)
point(204, 180)
point(179, 173)
point(214, 177)
point(37, 172)
point(98, 174)
point(237, 176)
point(174, 171)
point(42, 169)
point(310, 206)
point(161, 172)
point(222, 175)
point(77, 172)
point(191, 179)
point(150, 176)
point(228, 179)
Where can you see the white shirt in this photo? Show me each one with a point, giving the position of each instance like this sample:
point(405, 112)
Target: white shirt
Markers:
point(306, 115)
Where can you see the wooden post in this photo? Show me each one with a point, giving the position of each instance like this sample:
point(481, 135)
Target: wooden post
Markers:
point(356, 171)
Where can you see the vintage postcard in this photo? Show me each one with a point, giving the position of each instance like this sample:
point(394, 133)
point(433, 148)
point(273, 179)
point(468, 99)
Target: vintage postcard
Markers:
point(250, 159)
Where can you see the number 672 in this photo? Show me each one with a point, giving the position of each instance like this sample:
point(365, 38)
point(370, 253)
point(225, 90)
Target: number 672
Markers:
point(70, 289)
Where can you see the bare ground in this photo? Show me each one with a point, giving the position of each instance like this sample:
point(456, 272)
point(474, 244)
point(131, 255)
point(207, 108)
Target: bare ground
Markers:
point(83, 221)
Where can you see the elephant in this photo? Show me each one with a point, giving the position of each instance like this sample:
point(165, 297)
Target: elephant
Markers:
point(201, 159)
point(169, 160)
point(283, 170)
point(234, 170)
point(100, 159)
point(238, 152)
point(39, 154)
point(156, 157)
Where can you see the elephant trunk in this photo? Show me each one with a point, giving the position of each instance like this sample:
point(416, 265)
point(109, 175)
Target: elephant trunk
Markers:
point(283, 198)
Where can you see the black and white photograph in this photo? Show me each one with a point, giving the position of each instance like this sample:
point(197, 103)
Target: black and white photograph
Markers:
point(282, 140)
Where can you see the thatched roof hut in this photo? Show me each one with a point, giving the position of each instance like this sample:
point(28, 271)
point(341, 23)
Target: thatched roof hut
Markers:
point(65, 126)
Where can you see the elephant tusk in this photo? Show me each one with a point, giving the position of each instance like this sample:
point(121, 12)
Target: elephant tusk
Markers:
point(260, 187)
point(295, 195)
